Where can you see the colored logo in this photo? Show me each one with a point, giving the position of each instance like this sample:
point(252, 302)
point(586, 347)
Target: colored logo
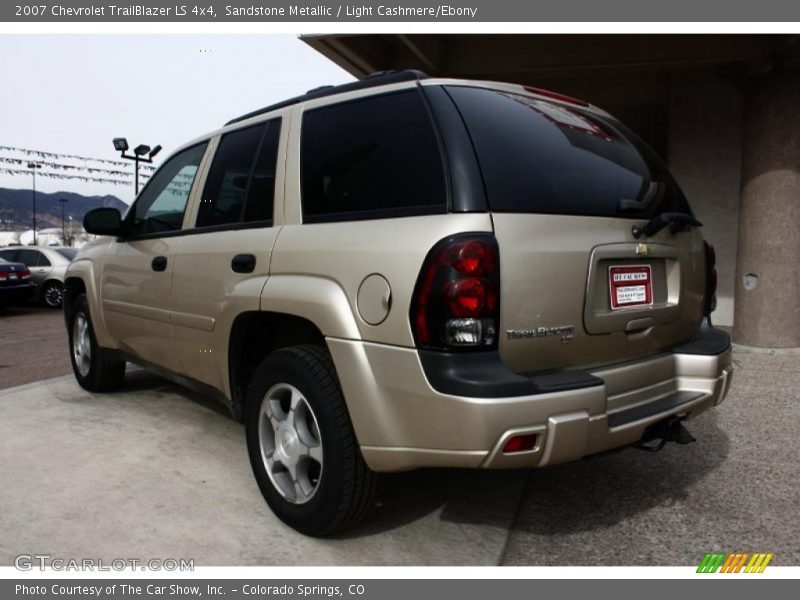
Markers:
point(738, 562)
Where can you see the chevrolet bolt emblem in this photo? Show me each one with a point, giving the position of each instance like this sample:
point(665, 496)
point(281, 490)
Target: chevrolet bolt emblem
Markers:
point(643, 250)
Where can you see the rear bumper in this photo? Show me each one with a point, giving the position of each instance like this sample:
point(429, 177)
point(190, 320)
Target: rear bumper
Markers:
point(404, 420)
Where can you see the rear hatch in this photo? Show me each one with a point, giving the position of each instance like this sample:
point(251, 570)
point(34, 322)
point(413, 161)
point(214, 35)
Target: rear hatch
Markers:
point(566, 186)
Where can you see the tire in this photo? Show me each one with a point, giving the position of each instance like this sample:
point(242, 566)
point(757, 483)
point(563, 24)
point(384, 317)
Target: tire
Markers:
point(99, 369)
point(52, 294)
point(336, 489)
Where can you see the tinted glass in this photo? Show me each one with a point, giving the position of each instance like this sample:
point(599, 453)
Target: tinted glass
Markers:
point(30, 258)
point(371, 158)
point(9, 255)
point(68, 253)
point(43, 261)
point(542, 157)
point(161, 204)
point(225, 191)
point(260, 197)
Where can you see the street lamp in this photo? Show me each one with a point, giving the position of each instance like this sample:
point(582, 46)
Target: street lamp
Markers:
point(121, 146)
point(33, 166)
point(63, 227)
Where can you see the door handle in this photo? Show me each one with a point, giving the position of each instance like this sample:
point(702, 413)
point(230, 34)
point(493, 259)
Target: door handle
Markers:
point(159, 263)
point(243, 263)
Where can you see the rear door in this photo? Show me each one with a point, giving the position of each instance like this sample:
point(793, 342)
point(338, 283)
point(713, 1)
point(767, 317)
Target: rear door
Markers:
point(39, 264)
point(566, 187)
point(223, 261)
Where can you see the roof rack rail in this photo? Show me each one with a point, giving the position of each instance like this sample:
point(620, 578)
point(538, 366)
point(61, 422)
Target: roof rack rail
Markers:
point(371, 80)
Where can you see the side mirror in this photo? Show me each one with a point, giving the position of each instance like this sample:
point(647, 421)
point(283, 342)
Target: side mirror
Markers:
point(103, 221)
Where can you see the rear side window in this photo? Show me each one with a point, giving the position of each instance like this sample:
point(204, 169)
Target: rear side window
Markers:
point(541, 157)
point(30, 258)
point(240, 184)
point(371, 158)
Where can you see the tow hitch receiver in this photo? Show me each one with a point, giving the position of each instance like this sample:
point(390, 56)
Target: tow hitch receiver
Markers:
point(658, 434)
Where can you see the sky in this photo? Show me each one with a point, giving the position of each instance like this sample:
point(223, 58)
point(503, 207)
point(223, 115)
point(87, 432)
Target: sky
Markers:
point(72, 94)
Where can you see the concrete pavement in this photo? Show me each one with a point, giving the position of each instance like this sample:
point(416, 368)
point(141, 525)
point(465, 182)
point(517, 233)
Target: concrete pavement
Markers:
point(156, 471)
point(33, 345)
point(735, 489)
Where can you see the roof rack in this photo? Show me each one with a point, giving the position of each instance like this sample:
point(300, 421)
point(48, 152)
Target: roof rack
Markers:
point(371, 80)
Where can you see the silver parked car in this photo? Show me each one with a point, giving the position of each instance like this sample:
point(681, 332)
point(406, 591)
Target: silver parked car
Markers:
point(47, 266)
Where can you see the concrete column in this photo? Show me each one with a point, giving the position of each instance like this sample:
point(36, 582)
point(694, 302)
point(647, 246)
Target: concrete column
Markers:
point(705, 156)
point(767, 292)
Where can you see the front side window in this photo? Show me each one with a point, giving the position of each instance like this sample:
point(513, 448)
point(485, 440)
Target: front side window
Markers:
point(160, 206)
point(371, 158)
point(240, 184)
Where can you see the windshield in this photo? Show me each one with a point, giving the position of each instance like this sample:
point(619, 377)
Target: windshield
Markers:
point(541, 157)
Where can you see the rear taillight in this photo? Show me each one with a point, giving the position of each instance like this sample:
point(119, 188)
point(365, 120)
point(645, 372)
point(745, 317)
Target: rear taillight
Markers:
point(24, 274)
point(3, 275)
point(711, 279)
point(456, 303)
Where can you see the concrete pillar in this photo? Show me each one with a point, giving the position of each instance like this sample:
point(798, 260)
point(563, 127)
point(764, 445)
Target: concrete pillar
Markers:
point(705, 156)
point(767, 306)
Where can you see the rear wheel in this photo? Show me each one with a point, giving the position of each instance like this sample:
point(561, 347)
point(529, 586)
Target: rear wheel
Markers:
point(52, 294)
point(302, 446)
point(96, 369)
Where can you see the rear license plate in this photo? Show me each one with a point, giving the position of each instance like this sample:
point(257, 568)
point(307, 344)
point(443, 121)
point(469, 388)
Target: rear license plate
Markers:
point(12, 275)
point(630, 286)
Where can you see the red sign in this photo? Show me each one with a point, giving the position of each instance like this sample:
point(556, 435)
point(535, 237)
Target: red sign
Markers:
point(630, 286)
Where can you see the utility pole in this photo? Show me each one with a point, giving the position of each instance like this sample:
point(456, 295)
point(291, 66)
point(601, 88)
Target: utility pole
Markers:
point(63, 227)
point(33, 166)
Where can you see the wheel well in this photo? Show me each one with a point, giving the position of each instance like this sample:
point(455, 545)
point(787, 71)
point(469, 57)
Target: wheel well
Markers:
point(73, 287)
point(256, 334)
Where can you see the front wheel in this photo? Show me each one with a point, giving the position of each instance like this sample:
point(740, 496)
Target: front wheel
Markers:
point(96, 369)
point(302, 446)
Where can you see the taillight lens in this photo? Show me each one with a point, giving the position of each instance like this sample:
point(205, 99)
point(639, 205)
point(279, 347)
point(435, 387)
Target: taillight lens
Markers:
point(3, 275)
point(24, 274)
point(456, 303)
point(711, 279)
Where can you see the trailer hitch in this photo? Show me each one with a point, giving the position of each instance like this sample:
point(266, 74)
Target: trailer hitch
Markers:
point(658, 434)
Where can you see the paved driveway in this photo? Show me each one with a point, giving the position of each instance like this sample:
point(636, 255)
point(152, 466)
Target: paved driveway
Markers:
point(33, 345)
point(155, 471)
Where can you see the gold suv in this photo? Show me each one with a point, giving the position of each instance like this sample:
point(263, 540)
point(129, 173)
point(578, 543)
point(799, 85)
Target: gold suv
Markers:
point(409, 272)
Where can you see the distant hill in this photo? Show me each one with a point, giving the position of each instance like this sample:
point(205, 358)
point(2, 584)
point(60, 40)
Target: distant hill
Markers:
point(16, 208)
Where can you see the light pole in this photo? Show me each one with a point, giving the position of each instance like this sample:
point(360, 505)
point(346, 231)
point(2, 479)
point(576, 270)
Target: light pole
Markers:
point(33, 166)
point(121, 146)
point(63, 227)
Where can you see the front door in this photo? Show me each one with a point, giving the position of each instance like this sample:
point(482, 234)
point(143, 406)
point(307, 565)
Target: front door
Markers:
point(136, 277)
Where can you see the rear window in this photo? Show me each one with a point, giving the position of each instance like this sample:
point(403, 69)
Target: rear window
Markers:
point(375, 157)
point(541, 157)
point(68, 253)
